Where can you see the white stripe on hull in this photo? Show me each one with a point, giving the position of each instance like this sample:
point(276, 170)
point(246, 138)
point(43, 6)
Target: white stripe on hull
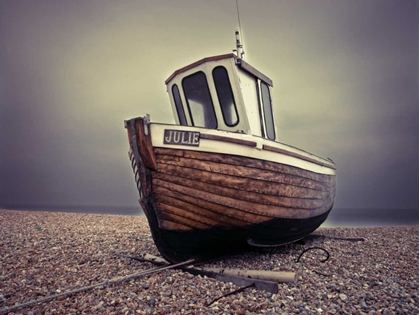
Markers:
point(320, 165)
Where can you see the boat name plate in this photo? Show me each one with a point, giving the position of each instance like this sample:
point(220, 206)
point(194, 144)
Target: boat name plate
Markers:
point(181, 137)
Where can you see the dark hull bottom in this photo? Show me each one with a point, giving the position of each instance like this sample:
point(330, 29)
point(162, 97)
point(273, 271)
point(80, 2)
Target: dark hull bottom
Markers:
point(177, 246)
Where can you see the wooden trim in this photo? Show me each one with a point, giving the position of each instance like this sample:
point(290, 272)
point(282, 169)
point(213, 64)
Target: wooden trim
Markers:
point(228, 139)
point(144, 142)
point(243, 160)
point(296, 155)
point(141, 177)
point(173, 226)
point(187, 216)
point(247, 217)
point(254, 197)
point(197, 63)
point(221, 218)
point(247, 67)
point(242, 185)
point(240, 207)
point(243, 171)
point(169, 213)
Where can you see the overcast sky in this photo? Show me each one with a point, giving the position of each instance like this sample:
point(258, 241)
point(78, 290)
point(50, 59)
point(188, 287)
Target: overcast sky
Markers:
point(345, 79)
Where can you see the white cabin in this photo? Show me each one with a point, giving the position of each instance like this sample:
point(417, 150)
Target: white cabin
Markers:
point(223, 92)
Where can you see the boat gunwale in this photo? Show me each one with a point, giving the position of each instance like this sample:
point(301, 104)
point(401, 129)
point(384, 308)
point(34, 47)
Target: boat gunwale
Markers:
point(260, 144)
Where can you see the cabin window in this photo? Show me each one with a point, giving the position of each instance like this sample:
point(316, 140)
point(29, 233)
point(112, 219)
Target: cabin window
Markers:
point(178, 105)
point(225, 96)
point(268, 112)
point(199, 102)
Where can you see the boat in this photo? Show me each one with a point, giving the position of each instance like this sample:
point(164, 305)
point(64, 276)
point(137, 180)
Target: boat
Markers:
point(218, 181)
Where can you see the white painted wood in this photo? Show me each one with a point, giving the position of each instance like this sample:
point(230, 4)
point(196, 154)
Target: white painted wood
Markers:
point(248, 88)
point(207, 68)
point(206, 145)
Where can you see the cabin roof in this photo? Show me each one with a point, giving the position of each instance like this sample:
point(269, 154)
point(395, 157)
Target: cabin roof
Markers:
point(240, 62)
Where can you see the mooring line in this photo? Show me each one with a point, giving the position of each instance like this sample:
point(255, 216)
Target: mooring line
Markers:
point(87, 288)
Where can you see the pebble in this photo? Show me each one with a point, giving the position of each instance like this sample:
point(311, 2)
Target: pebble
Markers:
point(67, 251)
point(167, 293)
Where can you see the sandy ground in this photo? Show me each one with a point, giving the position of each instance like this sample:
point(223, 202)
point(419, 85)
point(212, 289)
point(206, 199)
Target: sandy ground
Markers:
point(50, 253)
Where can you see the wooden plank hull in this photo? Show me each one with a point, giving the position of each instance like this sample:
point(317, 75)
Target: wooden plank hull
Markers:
point(203, 202)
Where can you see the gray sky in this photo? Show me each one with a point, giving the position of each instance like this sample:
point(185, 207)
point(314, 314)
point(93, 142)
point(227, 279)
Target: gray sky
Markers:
point(345, 87)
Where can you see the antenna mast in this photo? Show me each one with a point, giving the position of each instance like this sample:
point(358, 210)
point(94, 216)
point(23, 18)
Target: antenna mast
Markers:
point(239, 47)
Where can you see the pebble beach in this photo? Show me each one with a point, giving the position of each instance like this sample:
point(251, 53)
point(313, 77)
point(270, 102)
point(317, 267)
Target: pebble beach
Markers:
point(46, 254)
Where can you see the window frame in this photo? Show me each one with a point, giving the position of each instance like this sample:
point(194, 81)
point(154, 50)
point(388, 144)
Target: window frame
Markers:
point(179, 106)
point(267, 111)
point(209, 98)
point(232, 97)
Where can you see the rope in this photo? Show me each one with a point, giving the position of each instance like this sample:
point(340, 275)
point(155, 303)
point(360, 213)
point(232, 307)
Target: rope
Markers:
point(87, 288)
point(231, 293)
point(312, 248)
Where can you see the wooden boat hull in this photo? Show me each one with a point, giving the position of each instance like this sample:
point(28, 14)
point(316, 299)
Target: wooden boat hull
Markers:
point(219, 193)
